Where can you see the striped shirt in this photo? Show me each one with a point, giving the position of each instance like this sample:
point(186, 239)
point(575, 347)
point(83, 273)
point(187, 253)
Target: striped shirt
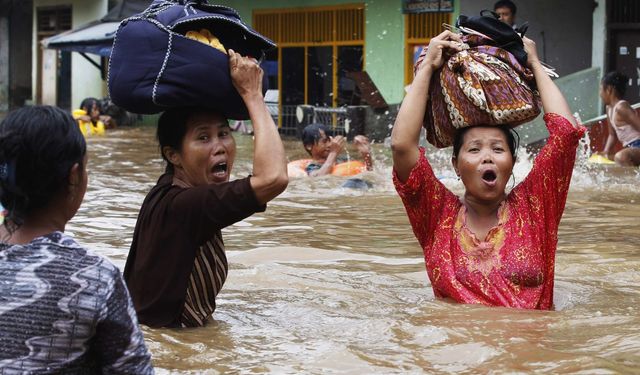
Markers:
point(176, 265)
point(209, 273)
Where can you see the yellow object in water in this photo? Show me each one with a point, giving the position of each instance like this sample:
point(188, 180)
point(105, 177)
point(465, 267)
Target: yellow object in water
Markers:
point(88, 127)
point(205, 36)
point(349, 168)
point(599, 159)
point(297, 168)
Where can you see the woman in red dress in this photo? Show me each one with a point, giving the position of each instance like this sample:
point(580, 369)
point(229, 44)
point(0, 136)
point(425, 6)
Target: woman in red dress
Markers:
point(486, 247)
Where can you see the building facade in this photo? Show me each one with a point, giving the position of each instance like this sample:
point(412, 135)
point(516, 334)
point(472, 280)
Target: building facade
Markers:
point(320, 43)
point(64, 78)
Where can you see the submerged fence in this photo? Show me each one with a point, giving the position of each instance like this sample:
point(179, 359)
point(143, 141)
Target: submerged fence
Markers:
point(347, 121)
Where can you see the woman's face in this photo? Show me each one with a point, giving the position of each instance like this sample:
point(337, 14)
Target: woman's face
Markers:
point(484, 163)
point(208, 150)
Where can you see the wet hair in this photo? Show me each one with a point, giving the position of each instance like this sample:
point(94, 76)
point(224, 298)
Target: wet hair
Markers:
point(616, 80)
point(88, 103)
point(38, 147)
point(506, 4)
point(513, 139)
point(311, 134)
point(172, 127)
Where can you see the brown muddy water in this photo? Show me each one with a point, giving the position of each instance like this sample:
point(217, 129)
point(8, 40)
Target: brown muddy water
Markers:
point(332, 281)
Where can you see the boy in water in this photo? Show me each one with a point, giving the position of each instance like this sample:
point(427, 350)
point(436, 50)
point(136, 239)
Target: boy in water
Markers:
point(325, 150)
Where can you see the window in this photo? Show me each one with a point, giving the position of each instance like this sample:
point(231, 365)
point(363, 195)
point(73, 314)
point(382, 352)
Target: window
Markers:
point(317, 48)
point(419, 29)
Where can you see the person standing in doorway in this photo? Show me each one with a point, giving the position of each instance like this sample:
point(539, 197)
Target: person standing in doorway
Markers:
point(506, 10)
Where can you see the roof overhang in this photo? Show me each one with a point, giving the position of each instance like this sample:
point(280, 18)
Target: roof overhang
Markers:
point(95, 37)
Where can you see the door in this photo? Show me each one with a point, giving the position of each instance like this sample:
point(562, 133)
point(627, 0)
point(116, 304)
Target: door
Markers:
point(53, 81)
point(625, 58)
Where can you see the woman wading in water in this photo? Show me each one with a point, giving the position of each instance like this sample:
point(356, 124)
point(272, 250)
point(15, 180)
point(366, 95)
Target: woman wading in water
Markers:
point(486, 247)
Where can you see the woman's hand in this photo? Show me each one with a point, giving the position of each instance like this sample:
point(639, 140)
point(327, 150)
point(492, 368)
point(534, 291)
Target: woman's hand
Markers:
point(444, 44)
point(552, 99)
point(246, 74)
point(530, 49)
point(405, 136)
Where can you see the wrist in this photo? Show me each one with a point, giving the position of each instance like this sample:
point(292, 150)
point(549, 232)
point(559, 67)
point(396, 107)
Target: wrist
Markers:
point(427, 69)
point(535, 64)
point(252, 97)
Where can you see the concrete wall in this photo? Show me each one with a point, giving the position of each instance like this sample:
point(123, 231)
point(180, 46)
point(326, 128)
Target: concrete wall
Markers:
point(15, 57)
point(20, 56)
point(4, 63)
point(599, 43)
point(85, 78)
point(562, 30)
point(384, 37)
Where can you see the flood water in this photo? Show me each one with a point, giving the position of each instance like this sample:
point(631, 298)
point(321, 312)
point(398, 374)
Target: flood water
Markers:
point(332, 281)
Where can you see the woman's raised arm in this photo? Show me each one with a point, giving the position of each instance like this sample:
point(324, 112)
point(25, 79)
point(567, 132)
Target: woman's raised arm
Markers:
point(405, 136)
point(552, 99)
point(269, 162)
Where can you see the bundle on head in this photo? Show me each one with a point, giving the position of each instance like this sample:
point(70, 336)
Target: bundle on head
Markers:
point(487, 83)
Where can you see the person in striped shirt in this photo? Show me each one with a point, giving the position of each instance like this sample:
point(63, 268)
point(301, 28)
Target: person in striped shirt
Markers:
point(177, 263)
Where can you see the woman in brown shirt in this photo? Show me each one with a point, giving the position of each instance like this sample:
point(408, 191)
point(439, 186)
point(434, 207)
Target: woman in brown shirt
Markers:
point(177, 265)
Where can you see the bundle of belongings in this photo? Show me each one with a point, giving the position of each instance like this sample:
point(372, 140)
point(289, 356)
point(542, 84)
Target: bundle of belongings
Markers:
point(487, 83)
point(174, 54)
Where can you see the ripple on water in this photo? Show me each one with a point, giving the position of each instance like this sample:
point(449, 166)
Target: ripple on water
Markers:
point(333, 281)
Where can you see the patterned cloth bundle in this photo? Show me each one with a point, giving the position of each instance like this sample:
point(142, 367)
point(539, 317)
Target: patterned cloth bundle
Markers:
point(480, 85)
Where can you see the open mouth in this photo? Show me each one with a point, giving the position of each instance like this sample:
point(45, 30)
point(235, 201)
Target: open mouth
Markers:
point(220, 170)
point(489, 176)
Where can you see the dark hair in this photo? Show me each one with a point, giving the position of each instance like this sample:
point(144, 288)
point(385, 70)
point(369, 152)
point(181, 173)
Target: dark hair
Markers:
point(38, 147)
point(88, 104)
point(616, 80)
point(311, 134)
point(172, 127)
point(513, 139)
point(506, 4)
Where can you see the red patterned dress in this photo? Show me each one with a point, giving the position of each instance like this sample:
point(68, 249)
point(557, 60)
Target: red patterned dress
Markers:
point(514, 265)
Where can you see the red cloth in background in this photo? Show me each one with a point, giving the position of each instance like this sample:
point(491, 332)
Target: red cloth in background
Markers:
point(514, 265)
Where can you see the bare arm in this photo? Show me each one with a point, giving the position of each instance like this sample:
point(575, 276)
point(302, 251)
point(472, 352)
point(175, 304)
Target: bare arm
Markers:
point(629, 116)
point(612, 138)
point(336, 146)
point(552, 99)
point(405, 136)
point(269, 162)
point(364, 148)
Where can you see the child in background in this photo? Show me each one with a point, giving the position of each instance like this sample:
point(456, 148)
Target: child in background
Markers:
point(624, 122)
point(89, 119)
point(325, 150)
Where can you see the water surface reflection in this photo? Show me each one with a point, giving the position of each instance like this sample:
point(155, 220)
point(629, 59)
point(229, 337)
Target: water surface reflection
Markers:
point(330, 280)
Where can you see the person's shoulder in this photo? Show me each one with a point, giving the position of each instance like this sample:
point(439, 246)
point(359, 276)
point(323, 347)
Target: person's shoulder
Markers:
point(160, 189)
point(74, 257)
point(625, 106)
point(88, 255)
